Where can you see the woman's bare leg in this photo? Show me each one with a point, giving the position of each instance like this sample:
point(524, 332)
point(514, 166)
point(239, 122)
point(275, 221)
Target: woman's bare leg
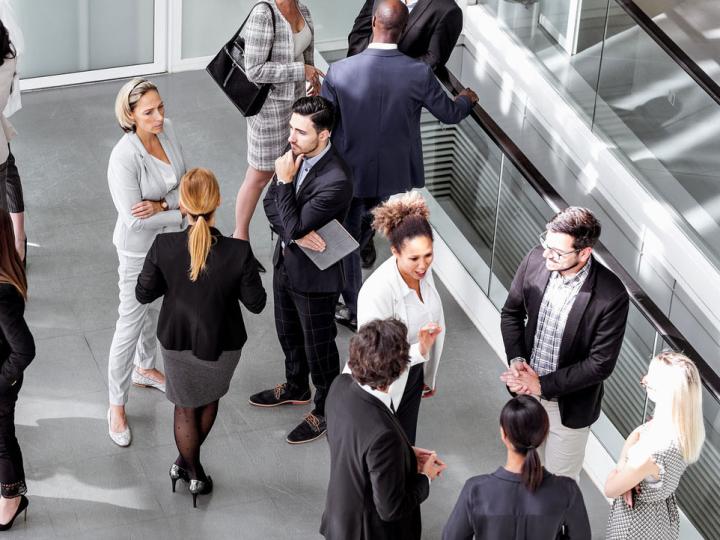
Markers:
point(247, 199)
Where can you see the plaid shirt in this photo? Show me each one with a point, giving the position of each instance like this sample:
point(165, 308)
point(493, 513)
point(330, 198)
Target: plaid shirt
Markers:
point(557, 302)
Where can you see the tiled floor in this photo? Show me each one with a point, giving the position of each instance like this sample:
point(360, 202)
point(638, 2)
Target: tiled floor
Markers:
point(83, 486)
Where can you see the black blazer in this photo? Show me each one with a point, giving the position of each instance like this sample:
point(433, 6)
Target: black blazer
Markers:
point(499, 507)
point(202, 316)
point(17, 346)
point(375, 490)
point(431, 33)
point(324, 195)
point(591, 342)
point(379, 95)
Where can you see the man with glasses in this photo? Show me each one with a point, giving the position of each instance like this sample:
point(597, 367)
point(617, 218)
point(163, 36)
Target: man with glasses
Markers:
point(563, 325)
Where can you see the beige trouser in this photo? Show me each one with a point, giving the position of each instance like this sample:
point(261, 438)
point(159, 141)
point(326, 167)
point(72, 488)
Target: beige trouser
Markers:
point(563, 451)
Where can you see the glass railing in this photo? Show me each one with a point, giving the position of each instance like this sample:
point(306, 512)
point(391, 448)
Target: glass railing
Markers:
point(639, 90)
point(488, 202)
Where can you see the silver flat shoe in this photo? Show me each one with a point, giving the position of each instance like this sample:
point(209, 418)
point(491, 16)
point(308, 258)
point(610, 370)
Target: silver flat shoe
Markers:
point(121, 438)
point(138, 379)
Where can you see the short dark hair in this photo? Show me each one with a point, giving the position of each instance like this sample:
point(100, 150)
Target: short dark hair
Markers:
point(580, 223)
point(320, 110)
point(526, 427)
point(379, 352)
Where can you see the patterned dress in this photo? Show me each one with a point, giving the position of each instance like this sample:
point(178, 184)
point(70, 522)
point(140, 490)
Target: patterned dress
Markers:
point(655, 515)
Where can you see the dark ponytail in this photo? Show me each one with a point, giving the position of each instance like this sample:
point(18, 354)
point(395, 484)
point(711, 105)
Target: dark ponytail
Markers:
point(6, 48)
point(526, 426)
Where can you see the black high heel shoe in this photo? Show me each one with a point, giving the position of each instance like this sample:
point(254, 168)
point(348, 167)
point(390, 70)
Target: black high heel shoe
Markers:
point(22, 507)
point(177, 473)
point(200, 487)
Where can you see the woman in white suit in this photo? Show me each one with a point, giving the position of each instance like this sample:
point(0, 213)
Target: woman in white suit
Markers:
point(143, 174)
point(403, 287)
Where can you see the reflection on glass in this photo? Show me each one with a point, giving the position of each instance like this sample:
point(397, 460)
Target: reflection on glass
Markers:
point(522, 215)
point(68, 36)
point(462, 172)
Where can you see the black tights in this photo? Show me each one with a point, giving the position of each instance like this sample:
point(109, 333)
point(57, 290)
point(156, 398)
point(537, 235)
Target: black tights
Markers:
point(192, 426)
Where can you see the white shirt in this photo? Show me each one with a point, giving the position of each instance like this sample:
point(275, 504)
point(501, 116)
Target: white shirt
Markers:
point(168, 173)
point(383, 46)
point(411, 4)
point(382, 396)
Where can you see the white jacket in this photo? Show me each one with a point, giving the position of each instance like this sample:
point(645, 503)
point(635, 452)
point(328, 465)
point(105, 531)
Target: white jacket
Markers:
point(382, 296)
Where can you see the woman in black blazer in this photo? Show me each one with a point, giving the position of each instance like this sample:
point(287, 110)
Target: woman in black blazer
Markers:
point(521, 500)
point(201, 275)
point(17, 350)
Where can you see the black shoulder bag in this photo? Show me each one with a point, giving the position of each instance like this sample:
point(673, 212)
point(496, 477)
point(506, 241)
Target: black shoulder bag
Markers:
point(228, 70)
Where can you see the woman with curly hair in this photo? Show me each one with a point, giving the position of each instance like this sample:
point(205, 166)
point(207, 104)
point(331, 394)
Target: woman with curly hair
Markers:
point(403, 287)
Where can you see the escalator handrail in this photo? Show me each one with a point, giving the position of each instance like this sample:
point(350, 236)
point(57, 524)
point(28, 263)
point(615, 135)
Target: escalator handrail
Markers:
point(654, 315)
point(673, 50)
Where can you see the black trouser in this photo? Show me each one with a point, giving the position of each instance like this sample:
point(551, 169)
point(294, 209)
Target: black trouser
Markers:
point(12, 472)
point(407, 413)
point(306, 329)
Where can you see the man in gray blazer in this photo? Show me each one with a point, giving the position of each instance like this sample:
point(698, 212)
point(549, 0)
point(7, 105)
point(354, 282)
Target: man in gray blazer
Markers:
point(380, 94)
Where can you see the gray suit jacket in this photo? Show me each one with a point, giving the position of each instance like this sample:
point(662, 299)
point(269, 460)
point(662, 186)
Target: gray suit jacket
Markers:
point(286, 75)
point(133, 176)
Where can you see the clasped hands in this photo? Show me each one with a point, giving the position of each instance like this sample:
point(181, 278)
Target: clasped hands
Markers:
point(428, 462)
point(522, 379)
point(146, 209)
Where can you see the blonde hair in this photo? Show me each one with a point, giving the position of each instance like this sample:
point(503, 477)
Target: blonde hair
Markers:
point(403, 217)
point(127, 99)
point(680, 384)
point(200, 196)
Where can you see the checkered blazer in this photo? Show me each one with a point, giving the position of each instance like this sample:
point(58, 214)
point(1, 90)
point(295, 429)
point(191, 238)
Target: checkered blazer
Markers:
point(281, 69)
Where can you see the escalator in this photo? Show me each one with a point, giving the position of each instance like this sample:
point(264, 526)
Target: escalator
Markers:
point(488, 205)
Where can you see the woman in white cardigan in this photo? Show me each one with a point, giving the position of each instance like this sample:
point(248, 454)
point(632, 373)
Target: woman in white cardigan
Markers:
point(143, 174)
point(403, 287)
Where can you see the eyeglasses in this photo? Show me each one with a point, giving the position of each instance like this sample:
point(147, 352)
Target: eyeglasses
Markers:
point(556, 253)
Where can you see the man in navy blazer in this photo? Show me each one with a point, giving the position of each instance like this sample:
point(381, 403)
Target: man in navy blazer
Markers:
point(379, 95)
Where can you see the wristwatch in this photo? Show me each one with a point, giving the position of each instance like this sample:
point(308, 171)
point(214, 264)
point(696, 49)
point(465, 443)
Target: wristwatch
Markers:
point(164, 204)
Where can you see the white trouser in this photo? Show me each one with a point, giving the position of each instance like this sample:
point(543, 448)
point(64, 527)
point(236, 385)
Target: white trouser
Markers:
point(563, 451)
point(134, 339)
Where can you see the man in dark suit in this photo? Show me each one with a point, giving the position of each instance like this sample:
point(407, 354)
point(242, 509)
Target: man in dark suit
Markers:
point(431, 33)
point(377, 479)
point(380, 94)
point(312, 188)
point(563, 325)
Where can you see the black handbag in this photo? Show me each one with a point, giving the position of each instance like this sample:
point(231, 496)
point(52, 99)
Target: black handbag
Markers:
point(228, 70)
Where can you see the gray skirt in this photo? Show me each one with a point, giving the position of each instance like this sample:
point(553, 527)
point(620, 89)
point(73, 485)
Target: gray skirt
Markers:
point(192, 382)
point(267, 134)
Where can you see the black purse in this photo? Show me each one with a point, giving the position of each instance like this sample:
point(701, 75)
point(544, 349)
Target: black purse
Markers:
point(228, 70)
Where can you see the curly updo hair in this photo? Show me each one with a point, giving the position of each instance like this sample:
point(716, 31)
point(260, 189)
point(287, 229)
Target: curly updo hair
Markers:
point(403, 218)
point(379, 352)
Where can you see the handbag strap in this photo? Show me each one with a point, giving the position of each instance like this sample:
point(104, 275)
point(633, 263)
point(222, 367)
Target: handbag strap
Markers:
point(272, 17)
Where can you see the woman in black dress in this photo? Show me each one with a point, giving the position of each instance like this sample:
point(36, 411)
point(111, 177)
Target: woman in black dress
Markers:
point(520, 501)
point(201, 275)
point(17, 350)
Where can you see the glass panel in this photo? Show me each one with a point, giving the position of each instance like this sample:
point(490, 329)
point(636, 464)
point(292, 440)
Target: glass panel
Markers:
point(665, 124)
point(522, 215)
point(208, 24)
point(624, 401)
point(462, 173)
point(68, 36)
point(566, 36)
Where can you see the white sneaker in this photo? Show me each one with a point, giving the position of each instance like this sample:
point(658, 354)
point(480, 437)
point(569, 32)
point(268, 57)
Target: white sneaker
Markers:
point(138, 379)
point(121, 438)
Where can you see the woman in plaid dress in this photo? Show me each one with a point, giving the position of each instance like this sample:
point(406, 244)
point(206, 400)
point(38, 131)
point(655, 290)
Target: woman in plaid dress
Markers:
point(656, 454)
point(285, 59)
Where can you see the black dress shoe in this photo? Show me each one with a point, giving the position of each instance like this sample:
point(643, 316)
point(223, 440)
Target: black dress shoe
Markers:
point(282, 394)
point(342, 316)
point(368, 255)
point(312, 427)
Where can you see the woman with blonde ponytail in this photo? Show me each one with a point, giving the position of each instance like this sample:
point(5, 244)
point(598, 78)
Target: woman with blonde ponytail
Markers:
point(520, 501)
point(657, 453)
point(201, 276)
point(403, 287)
